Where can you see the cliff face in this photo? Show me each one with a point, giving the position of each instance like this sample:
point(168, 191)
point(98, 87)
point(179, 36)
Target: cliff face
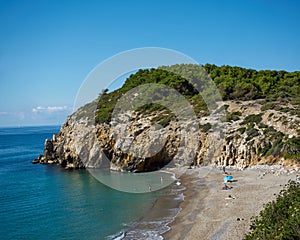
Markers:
point(251, 133)
point(258, 136)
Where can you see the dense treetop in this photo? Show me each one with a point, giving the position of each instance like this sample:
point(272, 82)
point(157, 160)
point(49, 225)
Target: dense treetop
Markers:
point(246, 84)
point(234, 83)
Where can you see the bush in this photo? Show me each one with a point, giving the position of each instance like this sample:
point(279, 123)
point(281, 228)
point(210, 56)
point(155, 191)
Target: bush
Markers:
point(262, 125)
point(164, 122)
point(222, 109)
point(281, 218)
point(270, 106)
point(251, 134)
point(138, 132)
point(253, 118)
point(242, 130)
point(206, 127)
point(292, 149)
point(234, 116)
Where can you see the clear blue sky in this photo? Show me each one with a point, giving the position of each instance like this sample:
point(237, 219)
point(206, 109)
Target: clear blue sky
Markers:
point(48, 47)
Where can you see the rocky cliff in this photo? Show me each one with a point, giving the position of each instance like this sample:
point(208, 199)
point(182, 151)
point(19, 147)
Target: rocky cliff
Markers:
point(258, 123)
point(251, 132)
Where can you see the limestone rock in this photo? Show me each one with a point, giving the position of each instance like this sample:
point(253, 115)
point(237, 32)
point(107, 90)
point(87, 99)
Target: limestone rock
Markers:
point(140, 145)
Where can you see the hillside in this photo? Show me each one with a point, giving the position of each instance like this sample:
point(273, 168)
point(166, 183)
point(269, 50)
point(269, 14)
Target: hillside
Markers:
point(234, 83)
point(257, 122)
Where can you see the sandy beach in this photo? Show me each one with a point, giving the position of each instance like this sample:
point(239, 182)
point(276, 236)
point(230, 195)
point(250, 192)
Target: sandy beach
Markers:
point(208, 212)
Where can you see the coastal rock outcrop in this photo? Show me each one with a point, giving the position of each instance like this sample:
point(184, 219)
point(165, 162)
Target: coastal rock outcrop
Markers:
point(246, 136)
point(69, 147)
point(175, 116)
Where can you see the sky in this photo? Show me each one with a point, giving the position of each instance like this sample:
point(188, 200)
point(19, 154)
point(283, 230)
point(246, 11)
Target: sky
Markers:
point(48, 47)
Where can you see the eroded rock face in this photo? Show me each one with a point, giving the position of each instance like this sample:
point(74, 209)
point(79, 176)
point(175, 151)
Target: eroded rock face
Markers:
point(140, 145)
point(257, 137)
point(141, 148)
point(75, 143)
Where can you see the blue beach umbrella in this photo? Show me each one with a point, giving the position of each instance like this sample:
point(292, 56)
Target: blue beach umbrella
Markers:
point(227, 178)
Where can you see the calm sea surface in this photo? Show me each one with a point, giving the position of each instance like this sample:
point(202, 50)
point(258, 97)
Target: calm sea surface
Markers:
point(47, 202)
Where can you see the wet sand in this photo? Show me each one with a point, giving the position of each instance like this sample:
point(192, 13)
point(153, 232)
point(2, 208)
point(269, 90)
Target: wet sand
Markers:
point(208, 212)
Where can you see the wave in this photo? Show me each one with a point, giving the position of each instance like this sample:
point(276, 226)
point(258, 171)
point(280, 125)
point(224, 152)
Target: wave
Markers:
point(118, 236)
point(156, 221)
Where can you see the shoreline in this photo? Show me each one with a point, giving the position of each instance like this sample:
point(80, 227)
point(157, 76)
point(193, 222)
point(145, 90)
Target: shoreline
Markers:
point(208, 212)
point(156, 220)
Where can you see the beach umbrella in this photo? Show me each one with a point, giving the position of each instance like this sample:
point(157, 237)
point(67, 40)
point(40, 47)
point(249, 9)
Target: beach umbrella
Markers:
point(227, 178)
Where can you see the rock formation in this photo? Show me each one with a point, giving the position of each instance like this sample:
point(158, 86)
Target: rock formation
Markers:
point(249, 134)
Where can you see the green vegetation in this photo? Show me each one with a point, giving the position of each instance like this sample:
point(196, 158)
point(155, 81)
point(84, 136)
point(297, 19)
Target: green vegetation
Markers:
point(106, 104)
point(107, 101)
point(253, 118)
point(230, 116)
point(222, 108)
point(251, 133)
point(262, 125)
point(206, 127)
point(278, 107)
point(246, 84)
point(279, 145)
point(291, 149)
point(242, 130)
point(164, 117)
point(234, 83)
point(281, 218)
point(234, 116)
point(276, 142)
point(270, 105)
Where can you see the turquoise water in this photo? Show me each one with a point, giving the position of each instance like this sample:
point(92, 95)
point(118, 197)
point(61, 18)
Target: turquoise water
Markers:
point(47, 202)
point(133, 182)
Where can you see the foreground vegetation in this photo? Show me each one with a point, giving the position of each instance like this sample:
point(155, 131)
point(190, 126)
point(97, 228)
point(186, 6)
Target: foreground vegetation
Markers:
point(281, 218)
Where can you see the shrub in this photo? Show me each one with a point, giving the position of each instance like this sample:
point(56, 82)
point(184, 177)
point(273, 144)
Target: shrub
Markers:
point(253, 118)
point(138, 132)
point(262, 125)
point(234, 116)
point(281, 218)
point(270, 106)
point(206, 127)
point(222, 109)
point(292, 149)
point(251, 134)
point(242, 130)
point(164, 122)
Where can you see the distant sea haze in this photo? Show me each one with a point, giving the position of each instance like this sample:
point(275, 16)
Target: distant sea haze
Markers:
point(48, 202)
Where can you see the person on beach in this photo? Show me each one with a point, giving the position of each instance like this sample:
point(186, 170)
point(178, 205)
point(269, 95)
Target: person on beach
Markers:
point(226, 187)
point(224, 171)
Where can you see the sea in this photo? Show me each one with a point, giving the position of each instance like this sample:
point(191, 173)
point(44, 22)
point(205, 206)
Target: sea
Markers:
point(49, 202)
